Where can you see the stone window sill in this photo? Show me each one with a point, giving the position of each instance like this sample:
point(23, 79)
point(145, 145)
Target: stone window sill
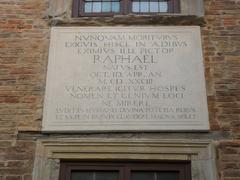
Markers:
point(131, 19)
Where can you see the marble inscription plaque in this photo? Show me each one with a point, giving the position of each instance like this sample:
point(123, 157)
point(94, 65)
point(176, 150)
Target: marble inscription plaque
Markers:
point(125, 79)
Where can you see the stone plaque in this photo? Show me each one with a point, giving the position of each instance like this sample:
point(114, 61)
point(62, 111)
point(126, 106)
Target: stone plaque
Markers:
point(125, 79)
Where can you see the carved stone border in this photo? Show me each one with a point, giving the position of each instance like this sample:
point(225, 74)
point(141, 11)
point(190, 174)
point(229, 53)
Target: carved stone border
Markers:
point(49, 153)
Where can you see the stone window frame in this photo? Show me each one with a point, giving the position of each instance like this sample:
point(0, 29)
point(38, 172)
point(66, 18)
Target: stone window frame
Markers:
point(125, 9)
point(50, 152)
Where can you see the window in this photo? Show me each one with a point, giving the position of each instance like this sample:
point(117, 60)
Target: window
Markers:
point(125, 171)
point(111, 7)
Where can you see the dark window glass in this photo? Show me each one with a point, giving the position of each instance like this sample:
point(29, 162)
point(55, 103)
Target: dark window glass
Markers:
point(94, 175)
point(81, 175)
point(125, 171)
point(146, 175)
point(141, 175)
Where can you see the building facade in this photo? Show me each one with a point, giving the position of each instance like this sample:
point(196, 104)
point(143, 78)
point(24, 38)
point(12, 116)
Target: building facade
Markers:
point(28, 153)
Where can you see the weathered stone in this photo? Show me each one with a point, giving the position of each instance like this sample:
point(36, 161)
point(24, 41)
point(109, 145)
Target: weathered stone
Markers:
point(136, 86)
point(27, 50)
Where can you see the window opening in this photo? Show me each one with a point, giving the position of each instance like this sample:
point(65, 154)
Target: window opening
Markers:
point(101, 6)
point(150, 6)
point(125, 171)
point(111, 7)
point(94, 175)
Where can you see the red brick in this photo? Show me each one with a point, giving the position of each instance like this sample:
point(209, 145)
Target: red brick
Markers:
point(15, 163)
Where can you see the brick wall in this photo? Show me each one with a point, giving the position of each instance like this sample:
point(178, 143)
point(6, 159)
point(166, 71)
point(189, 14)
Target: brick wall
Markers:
point(23, 42)
point(222, 51)
point(24, 34)
point(229, 160)
point(222, 60)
